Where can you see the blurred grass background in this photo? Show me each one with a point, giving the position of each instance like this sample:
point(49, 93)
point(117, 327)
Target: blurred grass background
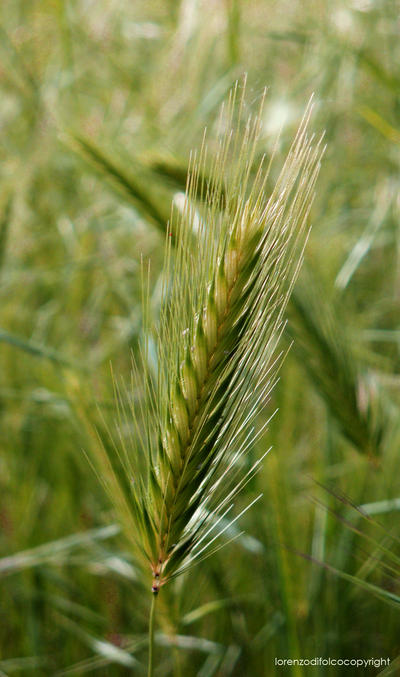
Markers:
point(101, 103)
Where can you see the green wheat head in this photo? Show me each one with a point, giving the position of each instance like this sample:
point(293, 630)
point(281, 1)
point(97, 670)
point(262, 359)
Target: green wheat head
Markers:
point(230, 264)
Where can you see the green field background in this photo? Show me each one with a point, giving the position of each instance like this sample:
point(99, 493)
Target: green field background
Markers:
point(101, 102)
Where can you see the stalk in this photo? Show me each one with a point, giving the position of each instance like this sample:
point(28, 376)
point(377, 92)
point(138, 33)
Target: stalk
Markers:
point(150, 670)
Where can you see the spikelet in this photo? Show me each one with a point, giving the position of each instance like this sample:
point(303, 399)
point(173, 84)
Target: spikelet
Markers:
point(230, 265)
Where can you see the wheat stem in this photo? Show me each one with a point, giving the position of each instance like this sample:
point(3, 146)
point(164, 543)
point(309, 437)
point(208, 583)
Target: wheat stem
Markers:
point(151, 635)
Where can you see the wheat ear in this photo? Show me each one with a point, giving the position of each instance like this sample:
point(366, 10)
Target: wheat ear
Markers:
point(221, 320)
point(230, 265)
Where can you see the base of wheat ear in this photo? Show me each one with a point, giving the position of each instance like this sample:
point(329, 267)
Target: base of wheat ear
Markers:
point(232, 256)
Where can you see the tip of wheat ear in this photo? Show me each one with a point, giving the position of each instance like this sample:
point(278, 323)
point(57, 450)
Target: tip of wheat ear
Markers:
point(230, 267)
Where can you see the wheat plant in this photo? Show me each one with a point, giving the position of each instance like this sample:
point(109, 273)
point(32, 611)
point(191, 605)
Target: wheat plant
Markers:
point(230, 264)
